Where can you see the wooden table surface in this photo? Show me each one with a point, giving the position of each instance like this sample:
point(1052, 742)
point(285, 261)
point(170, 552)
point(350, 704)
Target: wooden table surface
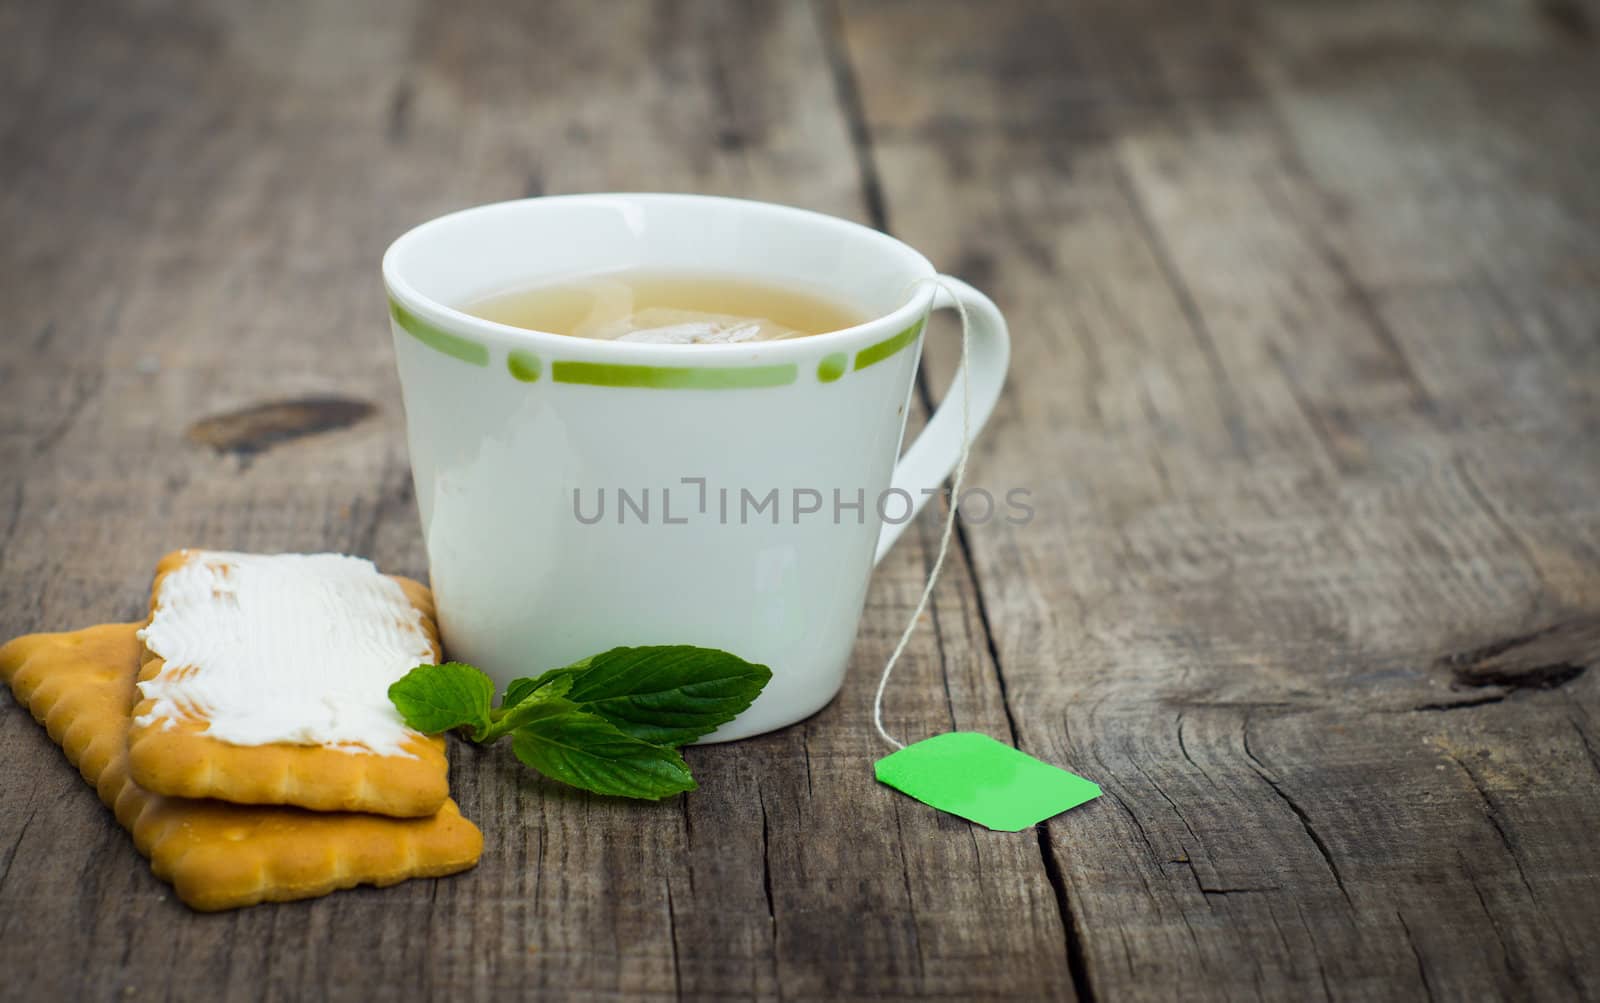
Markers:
point(1306, 309)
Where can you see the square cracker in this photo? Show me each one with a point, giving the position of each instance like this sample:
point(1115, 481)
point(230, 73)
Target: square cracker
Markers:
point(217, 856)
point(178, 757)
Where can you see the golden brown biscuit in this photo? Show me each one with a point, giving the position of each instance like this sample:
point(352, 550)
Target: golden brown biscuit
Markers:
point(180, 759)
point(80, 685)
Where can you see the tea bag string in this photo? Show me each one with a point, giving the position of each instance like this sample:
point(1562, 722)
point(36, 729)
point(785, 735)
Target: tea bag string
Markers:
point(950, 516)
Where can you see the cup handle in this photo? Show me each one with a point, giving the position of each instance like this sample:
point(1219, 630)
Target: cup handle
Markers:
point(934, 455)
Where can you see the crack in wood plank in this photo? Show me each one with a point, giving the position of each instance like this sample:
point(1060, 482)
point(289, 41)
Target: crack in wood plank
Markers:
point(1566, 18)
point(830, 21)
point(1491, 813)
point(830, 18)
point(1161, 251)
point(911, 901)
point(766, 864)
point(1199, 843)
point(256, 428)
point(672, 935)
point(13, 513)
point(1299, 813)
point(394, 493)
point(1422, 969)
point(1544, 659)
point(1488, 508)
point(82, 386)
point(1356, 291)
point(11, 856)
point(1491, 698)
point(1588, 747)
point(1488, 914)
point(1314, 419)
point(1316, 953)
point(1077, 959)
point(397, 127)
point(1138, 826)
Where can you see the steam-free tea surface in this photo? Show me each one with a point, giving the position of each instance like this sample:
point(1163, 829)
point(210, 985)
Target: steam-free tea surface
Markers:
point(685, 308)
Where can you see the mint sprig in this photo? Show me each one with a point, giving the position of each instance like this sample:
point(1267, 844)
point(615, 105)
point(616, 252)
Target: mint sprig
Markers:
point(610, 723)
point(452, 695)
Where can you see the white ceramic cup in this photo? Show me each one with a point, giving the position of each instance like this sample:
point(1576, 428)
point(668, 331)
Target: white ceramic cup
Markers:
point(516, 436)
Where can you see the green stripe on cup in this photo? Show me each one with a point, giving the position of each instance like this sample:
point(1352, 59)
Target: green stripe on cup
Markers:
point(832, 366)
point(523, 365)
point(888, 346)
point(439, 340)
point(606, 374)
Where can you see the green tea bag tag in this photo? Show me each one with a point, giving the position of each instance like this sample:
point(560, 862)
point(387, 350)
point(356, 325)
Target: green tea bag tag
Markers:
point(963, 772)
point(971, 775)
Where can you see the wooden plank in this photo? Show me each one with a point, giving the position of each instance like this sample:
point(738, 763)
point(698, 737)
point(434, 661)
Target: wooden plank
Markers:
point(1304, 298)
point(197, 197)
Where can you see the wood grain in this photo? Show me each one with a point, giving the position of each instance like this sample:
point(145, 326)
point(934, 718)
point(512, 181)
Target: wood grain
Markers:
point(1306, 392)
point(1324, 417)
point(210, 254)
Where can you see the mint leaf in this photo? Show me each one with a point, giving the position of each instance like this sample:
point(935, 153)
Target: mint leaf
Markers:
point(665, 694)
point(536, 701)
point(556, 681)
point(521, 689)
point(589, 752)
point(435, 698)
point(608, 724)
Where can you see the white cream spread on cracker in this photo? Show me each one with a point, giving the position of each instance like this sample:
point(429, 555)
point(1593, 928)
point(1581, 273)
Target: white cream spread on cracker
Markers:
point(296, 648)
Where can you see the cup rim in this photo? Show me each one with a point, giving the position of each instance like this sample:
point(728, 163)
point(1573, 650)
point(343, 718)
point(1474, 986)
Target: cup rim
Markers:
point(908, 313)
